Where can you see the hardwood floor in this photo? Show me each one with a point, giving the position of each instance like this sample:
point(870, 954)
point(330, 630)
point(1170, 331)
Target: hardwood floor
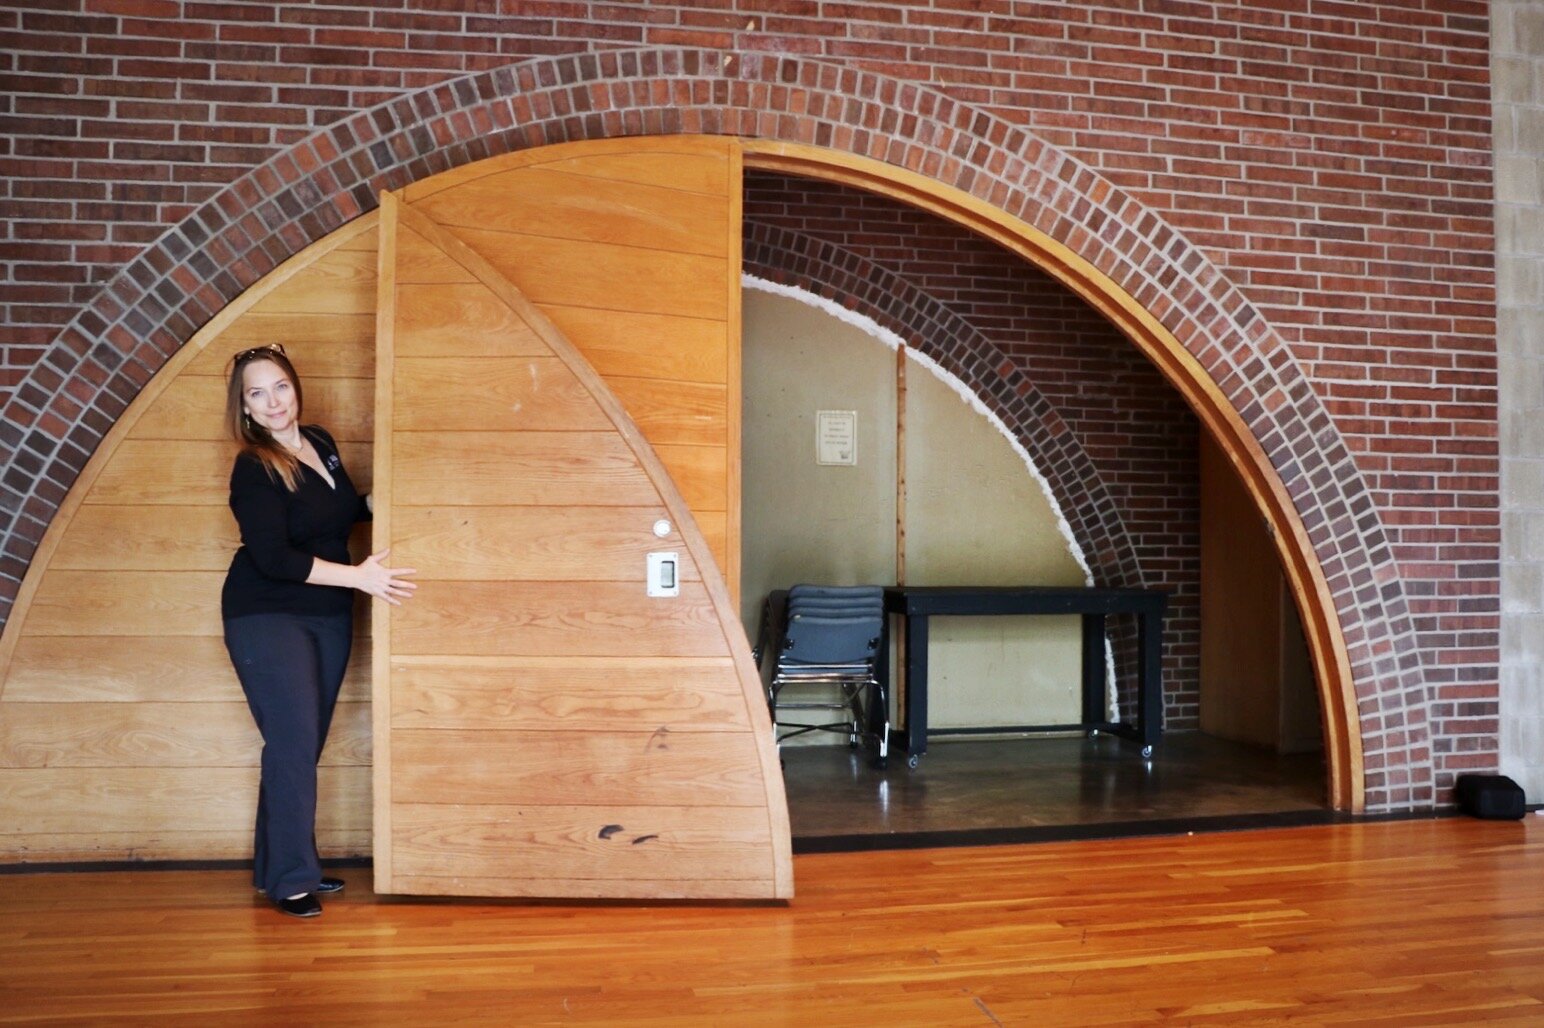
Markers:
point(1412, 922)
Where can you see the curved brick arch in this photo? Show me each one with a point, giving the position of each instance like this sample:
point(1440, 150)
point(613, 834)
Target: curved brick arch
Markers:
point(62, 409)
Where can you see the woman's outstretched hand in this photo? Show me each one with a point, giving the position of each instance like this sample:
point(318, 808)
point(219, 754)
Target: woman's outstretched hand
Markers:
point(382, 582)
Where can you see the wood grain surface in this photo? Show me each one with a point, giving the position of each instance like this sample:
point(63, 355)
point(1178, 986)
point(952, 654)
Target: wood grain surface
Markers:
point(525, 468)
point(595, 694)
point(574, 619)
point(548, 543)
point(639, 270)
point(560, 204)
point(158, 735)
point(143, 669)
point(700, 842)
point(1434, 922)
point(559, 766)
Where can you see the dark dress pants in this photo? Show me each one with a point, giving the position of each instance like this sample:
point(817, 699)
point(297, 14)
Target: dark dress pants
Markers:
point(291, 667)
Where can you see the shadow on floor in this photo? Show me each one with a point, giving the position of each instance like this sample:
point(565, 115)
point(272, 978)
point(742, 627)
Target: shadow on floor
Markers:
point(1014, 790)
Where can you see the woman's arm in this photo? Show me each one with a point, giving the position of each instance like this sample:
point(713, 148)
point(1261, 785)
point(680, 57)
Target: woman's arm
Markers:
point(368, 576)
point(258, 503)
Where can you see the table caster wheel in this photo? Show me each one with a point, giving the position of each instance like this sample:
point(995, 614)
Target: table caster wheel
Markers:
point(1147, 752)
point(912, 761)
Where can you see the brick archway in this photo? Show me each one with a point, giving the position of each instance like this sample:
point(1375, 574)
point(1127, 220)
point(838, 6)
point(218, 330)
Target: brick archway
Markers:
point(98, 363)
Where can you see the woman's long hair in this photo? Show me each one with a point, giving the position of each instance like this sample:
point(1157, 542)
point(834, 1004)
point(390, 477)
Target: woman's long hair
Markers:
point(283, 466)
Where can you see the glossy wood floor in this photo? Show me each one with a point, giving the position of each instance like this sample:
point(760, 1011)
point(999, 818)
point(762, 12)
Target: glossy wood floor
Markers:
point(963, 785)
point(1418, 922)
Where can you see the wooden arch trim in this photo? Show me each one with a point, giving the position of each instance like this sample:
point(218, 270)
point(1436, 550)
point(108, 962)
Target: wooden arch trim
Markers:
point(1326, 643)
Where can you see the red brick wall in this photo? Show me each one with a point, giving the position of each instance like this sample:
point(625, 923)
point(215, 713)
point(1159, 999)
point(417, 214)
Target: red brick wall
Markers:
point(1317, 174)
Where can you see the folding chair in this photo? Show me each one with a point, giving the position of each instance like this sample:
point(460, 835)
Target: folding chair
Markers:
point(832, 636)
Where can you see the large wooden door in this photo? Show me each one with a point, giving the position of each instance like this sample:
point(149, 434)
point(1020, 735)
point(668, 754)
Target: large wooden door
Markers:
point(557, 397)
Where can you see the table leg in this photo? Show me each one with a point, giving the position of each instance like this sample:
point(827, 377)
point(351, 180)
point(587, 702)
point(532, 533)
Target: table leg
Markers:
point(1094, 685)
point(1150, 680)
point(916, 687)
point(879, 719)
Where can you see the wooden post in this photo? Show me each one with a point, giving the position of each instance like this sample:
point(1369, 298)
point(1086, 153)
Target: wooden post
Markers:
point(897, 665)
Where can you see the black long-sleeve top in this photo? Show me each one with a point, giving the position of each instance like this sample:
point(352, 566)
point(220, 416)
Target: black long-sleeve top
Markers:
point(283, 532)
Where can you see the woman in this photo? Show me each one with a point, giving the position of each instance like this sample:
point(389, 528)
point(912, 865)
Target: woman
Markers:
point(288, 608)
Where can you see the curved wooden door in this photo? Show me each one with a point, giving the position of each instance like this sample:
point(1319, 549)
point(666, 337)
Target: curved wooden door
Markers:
point(542, 726)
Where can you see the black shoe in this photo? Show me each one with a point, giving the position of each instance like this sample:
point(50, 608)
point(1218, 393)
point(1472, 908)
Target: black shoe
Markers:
point(301, 906)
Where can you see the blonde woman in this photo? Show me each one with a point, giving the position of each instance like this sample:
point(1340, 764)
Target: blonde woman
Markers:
point(288, 605)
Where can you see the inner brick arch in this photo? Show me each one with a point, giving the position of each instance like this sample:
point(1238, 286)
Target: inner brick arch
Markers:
point(61, 411)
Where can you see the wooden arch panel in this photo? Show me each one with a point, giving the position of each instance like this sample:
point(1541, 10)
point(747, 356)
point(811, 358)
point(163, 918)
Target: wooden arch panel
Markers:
point(542, 726)
point(123, 731)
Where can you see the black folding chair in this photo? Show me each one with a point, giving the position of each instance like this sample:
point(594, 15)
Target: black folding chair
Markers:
point(831, 636)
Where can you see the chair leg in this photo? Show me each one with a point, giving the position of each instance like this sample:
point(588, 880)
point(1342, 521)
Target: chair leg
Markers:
point(860, 715)
point(879, 722)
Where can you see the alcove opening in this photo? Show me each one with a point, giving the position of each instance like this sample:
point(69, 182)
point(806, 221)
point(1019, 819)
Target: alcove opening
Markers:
point(1024, 440)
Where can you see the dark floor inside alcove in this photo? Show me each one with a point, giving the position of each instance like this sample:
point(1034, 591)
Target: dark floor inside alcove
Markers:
point(971, 791)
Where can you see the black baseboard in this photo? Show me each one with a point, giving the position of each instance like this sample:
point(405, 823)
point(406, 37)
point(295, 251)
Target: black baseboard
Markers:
point(77, 866)
point(1083, 832)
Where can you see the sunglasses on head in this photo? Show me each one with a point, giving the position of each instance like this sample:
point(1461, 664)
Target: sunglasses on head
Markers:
point(266, 350)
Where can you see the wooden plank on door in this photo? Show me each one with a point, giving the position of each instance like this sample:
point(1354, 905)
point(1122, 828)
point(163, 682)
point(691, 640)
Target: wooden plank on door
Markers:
point(552, 693)
point(603, 543)
point(609, 842)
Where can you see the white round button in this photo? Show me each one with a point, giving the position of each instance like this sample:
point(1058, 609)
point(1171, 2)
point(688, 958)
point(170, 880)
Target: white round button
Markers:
point(662, 528)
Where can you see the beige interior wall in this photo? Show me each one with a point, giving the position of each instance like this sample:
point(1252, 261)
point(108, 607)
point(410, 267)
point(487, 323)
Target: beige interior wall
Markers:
point(803, 522)
point(975, 515)
point(1517, 68)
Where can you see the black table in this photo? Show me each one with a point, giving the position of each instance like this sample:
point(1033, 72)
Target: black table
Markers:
point(917, 604)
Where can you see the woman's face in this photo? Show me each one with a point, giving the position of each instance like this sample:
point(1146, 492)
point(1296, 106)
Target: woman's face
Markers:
point(268, 396)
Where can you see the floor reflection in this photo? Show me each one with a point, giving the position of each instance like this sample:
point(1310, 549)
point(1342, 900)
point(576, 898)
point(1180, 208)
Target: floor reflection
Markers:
point(970, 785)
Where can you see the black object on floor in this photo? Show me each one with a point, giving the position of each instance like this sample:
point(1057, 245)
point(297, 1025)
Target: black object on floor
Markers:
point(1490, 797)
